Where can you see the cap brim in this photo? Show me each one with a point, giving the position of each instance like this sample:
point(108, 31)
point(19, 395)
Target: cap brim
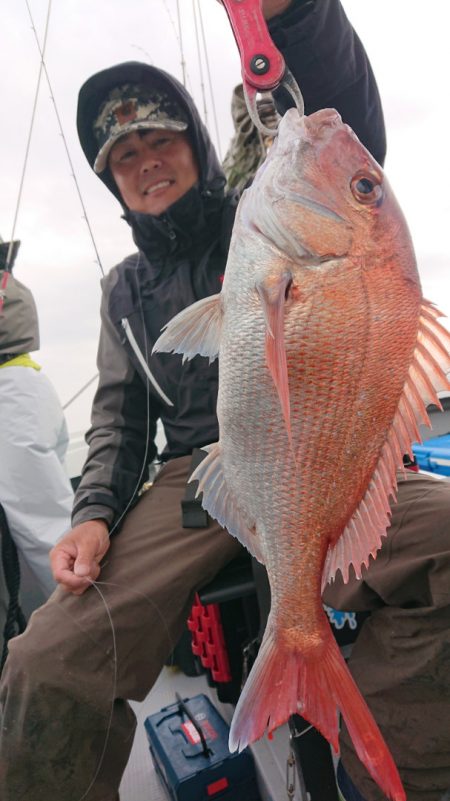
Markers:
point(101, 162)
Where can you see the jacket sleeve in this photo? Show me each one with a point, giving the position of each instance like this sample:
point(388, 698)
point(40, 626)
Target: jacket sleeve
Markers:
point(331, 67)
point(121, 437)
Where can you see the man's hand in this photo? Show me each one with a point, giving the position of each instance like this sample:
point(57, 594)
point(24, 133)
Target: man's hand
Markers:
point(75, 560)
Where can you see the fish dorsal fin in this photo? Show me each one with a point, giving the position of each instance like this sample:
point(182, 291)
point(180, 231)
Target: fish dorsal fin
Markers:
point(194, 331)
point(363, 534)
point(220, 502)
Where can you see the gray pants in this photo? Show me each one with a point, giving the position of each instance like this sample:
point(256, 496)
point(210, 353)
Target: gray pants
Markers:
point(57, 688)
point(400, 660)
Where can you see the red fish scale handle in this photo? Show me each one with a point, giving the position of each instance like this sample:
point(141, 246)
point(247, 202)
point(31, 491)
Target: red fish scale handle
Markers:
point(263, 66)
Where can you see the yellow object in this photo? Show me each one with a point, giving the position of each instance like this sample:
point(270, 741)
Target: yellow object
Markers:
point(24, 360)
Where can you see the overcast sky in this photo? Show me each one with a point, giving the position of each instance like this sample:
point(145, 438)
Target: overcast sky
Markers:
point(408, 47)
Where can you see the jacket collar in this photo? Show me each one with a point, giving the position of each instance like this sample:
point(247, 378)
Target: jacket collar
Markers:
point(188, 227)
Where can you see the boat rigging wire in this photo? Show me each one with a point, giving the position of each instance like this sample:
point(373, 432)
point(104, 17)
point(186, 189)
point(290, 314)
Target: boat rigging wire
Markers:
point(213, 104)
point(22, 179)
point(80, 391)
point(66, 148)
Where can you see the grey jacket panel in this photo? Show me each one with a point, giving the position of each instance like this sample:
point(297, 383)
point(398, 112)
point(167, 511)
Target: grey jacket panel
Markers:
point(123, 427)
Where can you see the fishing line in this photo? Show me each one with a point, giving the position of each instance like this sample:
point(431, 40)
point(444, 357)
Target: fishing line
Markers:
point(96, 585)
point(58, 118)
point(149, 600)
point(24, 168)
point(108, 728)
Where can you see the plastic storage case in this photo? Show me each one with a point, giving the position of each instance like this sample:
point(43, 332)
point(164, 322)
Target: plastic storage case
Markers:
point(434, 455)
point(196, 770)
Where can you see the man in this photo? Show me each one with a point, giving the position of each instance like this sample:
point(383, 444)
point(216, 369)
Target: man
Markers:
point(67, 729)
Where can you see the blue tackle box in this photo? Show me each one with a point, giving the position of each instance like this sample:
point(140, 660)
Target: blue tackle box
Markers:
point(189, 744)
point(434, 455)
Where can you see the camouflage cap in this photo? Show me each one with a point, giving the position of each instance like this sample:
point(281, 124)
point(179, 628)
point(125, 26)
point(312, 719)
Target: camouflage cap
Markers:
point(130, 108)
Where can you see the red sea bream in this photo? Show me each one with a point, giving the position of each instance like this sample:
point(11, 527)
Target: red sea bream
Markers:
point(328, 358)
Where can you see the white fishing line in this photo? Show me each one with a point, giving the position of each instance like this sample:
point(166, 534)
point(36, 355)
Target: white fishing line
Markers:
point(156, 608)
point(114, 657)
point(149, 600)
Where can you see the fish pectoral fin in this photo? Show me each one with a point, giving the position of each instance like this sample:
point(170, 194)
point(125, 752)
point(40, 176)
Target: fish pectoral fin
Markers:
point(273, 300)
point(427, 376)
point(194, 331)
point(220, 502)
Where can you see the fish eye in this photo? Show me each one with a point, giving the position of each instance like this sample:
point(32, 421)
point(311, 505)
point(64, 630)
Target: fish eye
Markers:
point(367, 188)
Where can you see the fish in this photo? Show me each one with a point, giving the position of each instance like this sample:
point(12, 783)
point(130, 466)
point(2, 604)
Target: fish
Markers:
point(328, 357)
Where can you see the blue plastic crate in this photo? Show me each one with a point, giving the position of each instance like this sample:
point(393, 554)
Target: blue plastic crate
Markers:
point(186, 771)
point(434, 455)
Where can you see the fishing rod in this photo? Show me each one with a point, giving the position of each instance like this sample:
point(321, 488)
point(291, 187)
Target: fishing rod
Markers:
point(9, 255)
point(64, 140)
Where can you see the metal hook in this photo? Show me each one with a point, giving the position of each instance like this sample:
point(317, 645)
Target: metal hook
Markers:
point(291, 86)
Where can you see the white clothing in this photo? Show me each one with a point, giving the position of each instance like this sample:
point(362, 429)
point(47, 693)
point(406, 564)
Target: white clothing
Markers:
point(35, 490)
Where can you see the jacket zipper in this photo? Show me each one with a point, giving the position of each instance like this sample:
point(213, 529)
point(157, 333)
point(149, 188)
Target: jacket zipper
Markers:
point(138, 353)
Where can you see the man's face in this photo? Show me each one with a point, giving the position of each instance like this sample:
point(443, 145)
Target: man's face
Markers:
point(153, 169)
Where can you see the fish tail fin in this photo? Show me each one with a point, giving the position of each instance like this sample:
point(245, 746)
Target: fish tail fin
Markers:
point(283, 681)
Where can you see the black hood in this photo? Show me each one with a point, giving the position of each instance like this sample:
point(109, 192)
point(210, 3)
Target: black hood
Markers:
point(93, 92)
point(4, 250)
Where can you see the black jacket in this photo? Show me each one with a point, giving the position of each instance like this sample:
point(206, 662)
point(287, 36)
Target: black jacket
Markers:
point(181, 258)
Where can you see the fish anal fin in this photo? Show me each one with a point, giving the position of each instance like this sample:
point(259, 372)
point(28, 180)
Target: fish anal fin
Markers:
point(194, 331)
point(362, 537)
point(220, 502)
